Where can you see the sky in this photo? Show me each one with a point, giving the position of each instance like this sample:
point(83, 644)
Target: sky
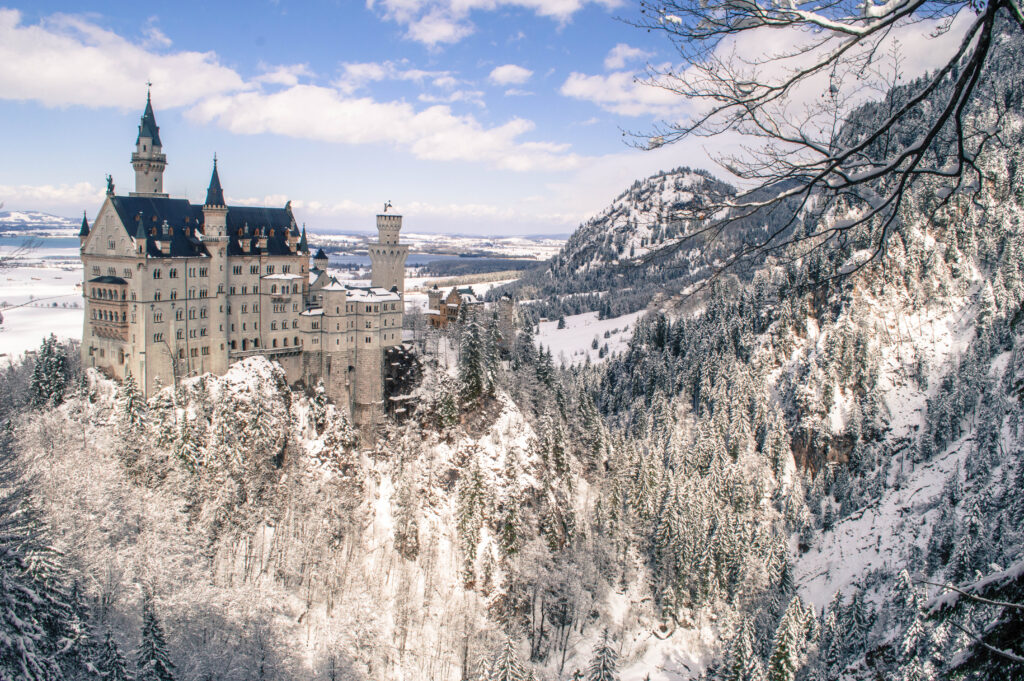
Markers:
point(492, 117)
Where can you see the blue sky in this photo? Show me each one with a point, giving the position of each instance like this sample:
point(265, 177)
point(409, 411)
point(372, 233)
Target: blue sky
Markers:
point(471, 116)
point(474, 116)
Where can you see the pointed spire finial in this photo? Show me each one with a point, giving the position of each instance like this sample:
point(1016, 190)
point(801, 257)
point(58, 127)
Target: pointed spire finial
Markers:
point(214, 194)
point(84, 231)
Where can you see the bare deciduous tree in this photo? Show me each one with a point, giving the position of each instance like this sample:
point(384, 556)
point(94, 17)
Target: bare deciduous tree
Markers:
point(795, 80)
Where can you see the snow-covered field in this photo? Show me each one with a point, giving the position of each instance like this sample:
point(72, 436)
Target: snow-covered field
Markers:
point(38, 301)
point(574, 344)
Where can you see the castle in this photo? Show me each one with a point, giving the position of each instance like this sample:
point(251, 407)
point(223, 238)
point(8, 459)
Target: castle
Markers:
point(174, 290)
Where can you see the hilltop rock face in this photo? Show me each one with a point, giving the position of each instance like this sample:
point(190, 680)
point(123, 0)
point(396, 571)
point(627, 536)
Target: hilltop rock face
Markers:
point(641, 248)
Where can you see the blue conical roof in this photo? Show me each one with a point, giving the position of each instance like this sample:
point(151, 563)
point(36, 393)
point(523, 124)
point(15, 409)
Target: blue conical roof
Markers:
point(214, 194)
point(84, 231)
point(148, 127)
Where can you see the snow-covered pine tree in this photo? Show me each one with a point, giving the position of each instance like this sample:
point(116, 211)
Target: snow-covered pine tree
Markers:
point(742, 664)
point(786, 657)
point(506, 665)
point(152, 662)
point(50, 374)
point(604, 663)
point(110, 662)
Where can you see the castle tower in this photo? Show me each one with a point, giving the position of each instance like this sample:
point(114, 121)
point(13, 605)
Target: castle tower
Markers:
point(83, 233)
point(148, 161)
point(215, 238)
point(387, 256)
point(320, 259)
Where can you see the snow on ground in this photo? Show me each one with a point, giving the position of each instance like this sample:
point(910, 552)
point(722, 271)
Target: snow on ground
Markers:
point(881, 534)
point(573, 344)
point(25, 327)
point(38, 301)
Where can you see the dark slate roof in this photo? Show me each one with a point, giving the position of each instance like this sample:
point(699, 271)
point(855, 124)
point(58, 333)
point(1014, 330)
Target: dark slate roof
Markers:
point(185, 225)
point(84, 231)
point(148, 127)
point(320, 255)
point(214, 194)
point(107, 279)
point(303, 246)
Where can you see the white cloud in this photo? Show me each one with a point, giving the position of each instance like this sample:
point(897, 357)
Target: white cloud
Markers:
point(621, 53)
point(284, 75)
point(472, 96)
point(356, 75)
point(620, 93)
point(54, 197)
point(516, 92)
point(154, 36)
point(437, 22)
point(509, 74)
point(434, 133)
point(66, 60)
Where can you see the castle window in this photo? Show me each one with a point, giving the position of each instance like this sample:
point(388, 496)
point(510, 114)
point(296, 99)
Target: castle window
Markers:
point(158, 316)
point(174, 294)
point(181, 353)
point(156, 274)
point(273, 326)
point(232, 345)
point(202, 313)
point(202, 271)
point(179, 314)
point(255, 307)
point(367, 339)
point(231, 290)
point(202, 293)
point(245, 308)
point(111, 271)
point(270, 269)
point(237, 269)
point(111, 245)
point(296, 340)
point(254, 269)
point(156, 295)
point(96, 270)
point(369, 324)
point(273, 289)
point(179, 334)
point(220, 288)
point(192, 313)
point(158, 337)
point(245, 289)
point(127, 273)
point(295, 323)
point(202, 331)
point(172, 273)
point(191, 333)
point(275, 342)
point(194, 352)
point(286, 268)
point(133, 295)
point(206, 349)
point(285, 342)
point(191, 293)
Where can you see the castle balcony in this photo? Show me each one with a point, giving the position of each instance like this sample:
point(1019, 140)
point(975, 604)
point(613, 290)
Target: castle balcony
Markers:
point(290, 351)
point(137, 157)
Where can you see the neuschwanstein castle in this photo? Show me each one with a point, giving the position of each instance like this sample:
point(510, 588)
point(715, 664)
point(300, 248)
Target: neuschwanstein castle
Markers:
point(174, 290)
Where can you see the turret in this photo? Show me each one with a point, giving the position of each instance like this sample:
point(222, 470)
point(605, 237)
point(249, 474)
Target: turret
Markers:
point(148, 161)
point(84, 231)
point(303, 244)
point(320, 259)
point(215, 212)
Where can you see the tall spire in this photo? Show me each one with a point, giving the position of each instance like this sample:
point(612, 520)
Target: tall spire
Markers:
point(148, 127)
point(214, 194)
point(303, 246)
point(84, 231)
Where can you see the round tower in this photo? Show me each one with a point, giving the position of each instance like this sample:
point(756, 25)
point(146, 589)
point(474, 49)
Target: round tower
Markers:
point(148, 160)
point(387, 256)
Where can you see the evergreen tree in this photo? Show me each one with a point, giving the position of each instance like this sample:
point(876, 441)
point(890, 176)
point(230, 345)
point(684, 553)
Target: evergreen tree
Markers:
point(742, 664)
point(506, 665)
point(151, 660)
point(133, 409)
point(789, 641)
point(476, 370)
point(604, 662)
point(111, 662)
point(50, 374)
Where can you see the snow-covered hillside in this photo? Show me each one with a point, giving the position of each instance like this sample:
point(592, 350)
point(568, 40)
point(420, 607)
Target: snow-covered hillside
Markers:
point(35, 221)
